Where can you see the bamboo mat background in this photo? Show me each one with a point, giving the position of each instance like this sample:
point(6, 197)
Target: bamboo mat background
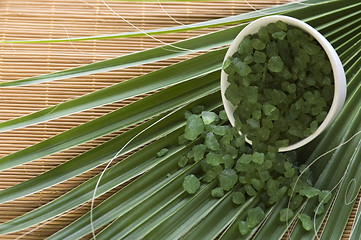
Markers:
point(73, 18)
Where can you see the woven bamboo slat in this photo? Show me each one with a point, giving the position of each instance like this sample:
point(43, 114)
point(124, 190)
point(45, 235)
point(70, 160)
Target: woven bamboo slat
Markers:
point(44, 19)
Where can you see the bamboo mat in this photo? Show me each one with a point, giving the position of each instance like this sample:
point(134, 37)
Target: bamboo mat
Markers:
point(74, 18)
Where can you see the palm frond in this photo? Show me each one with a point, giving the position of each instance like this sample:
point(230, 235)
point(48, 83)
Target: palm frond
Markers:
point(154, 205)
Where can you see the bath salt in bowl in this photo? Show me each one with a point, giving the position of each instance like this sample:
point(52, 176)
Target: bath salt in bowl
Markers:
point(282, 83)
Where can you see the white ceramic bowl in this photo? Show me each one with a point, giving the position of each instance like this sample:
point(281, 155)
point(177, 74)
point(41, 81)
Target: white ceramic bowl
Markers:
point(338, 72)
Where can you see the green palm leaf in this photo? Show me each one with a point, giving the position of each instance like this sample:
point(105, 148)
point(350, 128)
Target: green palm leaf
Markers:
point(154, 205)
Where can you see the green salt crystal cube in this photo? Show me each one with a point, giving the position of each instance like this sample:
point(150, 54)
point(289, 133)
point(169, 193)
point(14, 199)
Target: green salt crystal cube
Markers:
point(292, 88)
point(313, 126)
point(245, 47)
point(267, 123)
point(264, 175)
point(244, 179)
point(275, 64)
point(289, 173)
point(228, 161)
point(306, 221)
point(326, 67)
point(253, 123)
point(181, 139)
point(223, 115)
point(211, 141)
point(281, 124)
point(162, 152)
point(327, 93)
point(212, 173)
point(232, 94)
point(316, 110)
point(272, 187)
point(272, 27)
point(263, 133)
point(257, 184)
point(257, 157)
point(279, 35)
point(227, 138)
point(311, 48)
point(307, 132)
point(258, 44)
point(187, 113)
point(245, 158)
point(239, 142)
point(281, 25)
point(198, 152)
point(287, 165)
point(282, 143)
point(191, 184)
point(250, 190)
point(276, 197)
point(296, 202)
point(299, 103)
point(214, 159)
point(217, 192)
point(259, 57)
point(303, 55)
point(255, 217)
point(243, 227)
point(263, 34)
point(248, 59)
point(228, 66)
point(241, 68)
point(227, 179)
point(208, 117)
point(268, 109)
point(194, 127)
point(286, 214)
point(309, 191)
point(182, 161)
point(272, 49)
point(238, 197)
point(230, 150)
point(285, 52)
point(252, 95)
point(218, 130)
point(246, 81)
point(310, 80)
point(300, 64)
point(294, 113)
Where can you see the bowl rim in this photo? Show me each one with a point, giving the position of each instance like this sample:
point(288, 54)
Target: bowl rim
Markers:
point(337, 68)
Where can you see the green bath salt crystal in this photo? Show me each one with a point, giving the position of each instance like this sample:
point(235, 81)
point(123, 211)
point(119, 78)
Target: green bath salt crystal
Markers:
point(182, 161)
point(243, 227)
point(191, 184)
point(211, 141)
point(198, 152)
point(208, 117)
point(214, 159)
point(227, 179)
point(194, 127)
point(162, 152)
point(238, 198)
point(286, 214)
point(254, 217)
point(306, 221)
point(258, 44)
point(275, 64)
point(217, 192)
